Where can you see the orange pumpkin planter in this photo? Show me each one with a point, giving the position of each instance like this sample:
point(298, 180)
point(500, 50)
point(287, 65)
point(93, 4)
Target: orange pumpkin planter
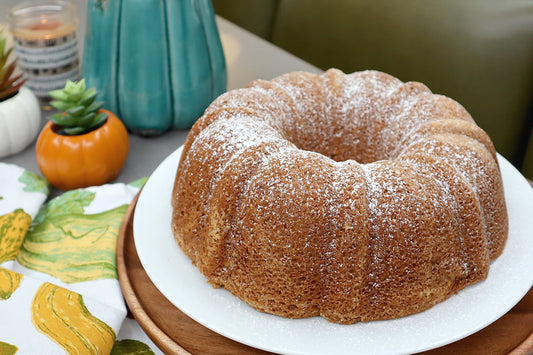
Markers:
point(94, 158)
point(82, 159)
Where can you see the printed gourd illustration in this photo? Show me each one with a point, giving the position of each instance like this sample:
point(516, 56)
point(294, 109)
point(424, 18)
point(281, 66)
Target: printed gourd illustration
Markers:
point(62, 316)
point(13, 228)
point(14, 225)
point(9, 282)
point(70, 245)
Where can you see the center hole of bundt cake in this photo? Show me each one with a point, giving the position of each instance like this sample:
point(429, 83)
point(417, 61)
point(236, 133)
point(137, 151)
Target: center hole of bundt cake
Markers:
point(340, 146)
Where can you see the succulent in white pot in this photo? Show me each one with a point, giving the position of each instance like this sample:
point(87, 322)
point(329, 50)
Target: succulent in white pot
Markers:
point(20, 113)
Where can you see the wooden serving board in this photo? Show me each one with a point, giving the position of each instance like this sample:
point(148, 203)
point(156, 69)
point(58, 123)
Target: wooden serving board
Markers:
point(175, 333)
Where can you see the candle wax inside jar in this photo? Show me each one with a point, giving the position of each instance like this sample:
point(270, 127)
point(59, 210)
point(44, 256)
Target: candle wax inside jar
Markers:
point(44, 29)
point(44, 24)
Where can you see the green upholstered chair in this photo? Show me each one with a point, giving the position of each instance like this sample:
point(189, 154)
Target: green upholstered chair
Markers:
point(527, 166)
point(478, 52)
point(256, 16)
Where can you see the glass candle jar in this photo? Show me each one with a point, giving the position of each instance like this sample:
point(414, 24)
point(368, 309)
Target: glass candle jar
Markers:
point(44, 34)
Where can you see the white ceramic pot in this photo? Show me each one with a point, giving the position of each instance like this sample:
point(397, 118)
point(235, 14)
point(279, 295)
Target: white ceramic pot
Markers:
point(20, 122)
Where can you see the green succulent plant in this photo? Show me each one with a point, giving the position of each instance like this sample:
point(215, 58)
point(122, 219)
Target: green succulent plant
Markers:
point(9, 83)
point(79, 110)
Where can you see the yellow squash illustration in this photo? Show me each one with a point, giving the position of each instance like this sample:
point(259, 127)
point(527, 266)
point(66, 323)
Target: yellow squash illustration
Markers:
point(9, 282)
point(62, 316)
point(13, 228)
point(74, 247)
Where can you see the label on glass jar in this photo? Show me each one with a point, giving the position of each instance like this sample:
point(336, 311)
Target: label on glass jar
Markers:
point(48, 62)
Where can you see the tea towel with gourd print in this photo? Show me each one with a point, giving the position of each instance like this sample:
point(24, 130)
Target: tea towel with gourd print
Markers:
point(59, 289)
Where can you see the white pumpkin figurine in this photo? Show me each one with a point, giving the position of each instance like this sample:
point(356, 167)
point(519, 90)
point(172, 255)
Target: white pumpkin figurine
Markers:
point(20, 113)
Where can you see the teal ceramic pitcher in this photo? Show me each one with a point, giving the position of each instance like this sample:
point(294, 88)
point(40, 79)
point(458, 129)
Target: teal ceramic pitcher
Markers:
point(157, 63)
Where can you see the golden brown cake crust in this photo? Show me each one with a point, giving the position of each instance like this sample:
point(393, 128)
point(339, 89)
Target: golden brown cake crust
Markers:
point(355, 197)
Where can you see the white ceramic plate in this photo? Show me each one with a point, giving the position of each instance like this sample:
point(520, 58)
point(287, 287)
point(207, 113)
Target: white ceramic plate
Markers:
point(172, 272)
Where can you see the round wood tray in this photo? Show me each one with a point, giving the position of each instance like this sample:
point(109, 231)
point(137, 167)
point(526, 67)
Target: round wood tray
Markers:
point(175, 333)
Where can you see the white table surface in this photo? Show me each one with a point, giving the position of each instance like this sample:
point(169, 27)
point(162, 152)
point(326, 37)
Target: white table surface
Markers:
point(248, 57)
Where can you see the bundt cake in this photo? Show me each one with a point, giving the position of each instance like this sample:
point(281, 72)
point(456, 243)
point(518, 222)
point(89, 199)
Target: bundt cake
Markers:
point(355, 197)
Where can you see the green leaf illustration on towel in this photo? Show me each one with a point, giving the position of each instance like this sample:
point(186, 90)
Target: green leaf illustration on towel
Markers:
point(139, 182)
point(7, 349)
point(70, 202)
point(34, 183)
point(130, 347)
point(72, 246)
